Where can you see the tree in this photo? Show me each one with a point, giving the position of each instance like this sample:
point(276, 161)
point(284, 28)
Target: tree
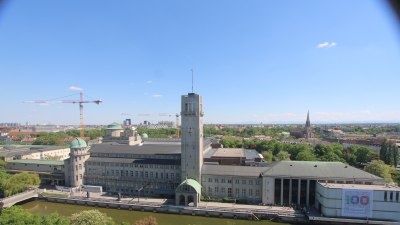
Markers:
point(384, 152)
point(363, 155)
point(19, 182)
point(306, 155)
point(380, 169)
point(282, 155)
point(91, 217)
point(54, 219)
point(267, 156)
point(147, 221)
point(19, 216)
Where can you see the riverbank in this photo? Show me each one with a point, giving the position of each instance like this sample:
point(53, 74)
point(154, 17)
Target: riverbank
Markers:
point(41, 207)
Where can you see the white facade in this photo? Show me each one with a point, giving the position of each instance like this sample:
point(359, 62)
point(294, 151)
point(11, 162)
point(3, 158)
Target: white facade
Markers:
point(358, 201)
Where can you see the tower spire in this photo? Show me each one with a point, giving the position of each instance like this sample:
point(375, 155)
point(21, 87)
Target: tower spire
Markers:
point(308, 124)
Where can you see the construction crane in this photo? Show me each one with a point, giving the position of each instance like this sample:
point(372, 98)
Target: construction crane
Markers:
point(80, 102)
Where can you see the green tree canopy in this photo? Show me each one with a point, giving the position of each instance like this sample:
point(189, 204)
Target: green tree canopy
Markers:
point(91, 217)
point(380, 169)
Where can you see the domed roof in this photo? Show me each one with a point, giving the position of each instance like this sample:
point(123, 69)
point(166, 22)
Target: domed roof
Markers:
point(114, 126)
point(78, 143)
point(144, 135)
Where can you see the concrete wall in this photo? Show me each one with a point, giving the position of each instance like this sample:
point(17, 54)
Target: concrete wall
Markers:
point(243, 188)
point(330, 200)
point(268, 190)
point(34, 167)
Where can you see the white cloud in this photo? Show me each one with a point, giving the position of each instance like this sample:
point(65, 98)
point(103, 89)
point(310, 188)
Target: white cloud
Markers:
point(326, 45)
point(75, 88)
point(149, 82)
point(156, 96)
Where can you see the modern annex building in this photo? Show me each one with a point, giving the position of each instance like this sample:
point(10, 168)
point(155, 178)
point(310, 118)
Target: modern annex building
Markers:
point(124, 163)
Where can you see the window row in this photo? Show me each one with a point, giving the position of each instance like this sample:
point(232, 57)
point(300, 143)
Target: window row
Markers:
point(245, 193)
point(237, 181)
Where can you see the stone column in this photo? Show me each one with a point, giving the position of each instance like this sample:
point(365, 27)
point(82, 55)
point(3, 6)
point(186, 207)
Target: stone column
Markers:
point(298, 191)
point(290, 191)
point(281, 191)
point(308, 193)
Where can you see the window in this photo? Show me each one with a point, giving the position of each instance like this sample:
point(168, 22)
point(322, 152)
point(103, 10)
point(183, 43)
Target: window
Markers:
point(229, 181)
point(216, 190)
point(251, 192)
point(257, 193)
point(258, 182)
point(209, 180)
point(131, 173)
point(385, 196)
point(151, 174)
point(136, 173)
point(222, 180)
point(243, 181)
point(141, 174)
point(146, 174)
point(209, 191)
point(216, 180)
point(250, 182)
point(236, 181)
point(397, 196)
point(391, 196)
point(223, 190)
point(237, 192)
point(166, 175)
point(126, 173)
point(244, 193)
point(229, 192)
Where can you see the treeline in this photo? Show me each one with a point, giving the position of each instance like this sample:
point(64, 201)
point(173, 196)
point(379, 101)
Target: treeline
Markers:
point(249, 131)
point(18, 215)
point(212, 131)
point(371, 130)
point(17, 183)
point(157, 133)
point(57, 138)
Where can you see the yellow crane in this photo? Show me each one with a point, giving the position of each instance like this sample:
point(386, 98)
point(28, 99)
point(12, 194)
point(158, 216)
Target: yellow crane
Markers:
point(80, 101)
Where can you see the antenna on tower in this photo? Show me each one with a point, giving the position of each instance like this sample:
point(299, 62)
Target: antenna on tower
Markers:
point(192, 80)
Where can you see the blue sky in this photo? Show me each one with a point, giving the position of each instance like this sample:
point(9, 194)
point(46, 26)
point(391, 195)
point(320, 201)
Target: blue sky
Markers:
point(253, 61)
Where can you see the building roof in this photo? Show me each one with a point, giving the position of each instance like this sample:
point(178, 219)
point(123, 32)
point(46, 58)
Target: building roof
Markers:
point(78, 143)
point(317, 170)
point(193, 183)
point(114, 126)
point(151, 149)
point(138, 161)
point(38, 162)
point(19, 150)
point(360, 187)
point(249, 171)
point(229, 152)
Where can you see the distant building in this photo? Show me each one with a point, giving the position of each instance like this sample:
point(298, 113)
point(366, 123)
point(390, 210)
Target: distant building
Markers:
point(308, 130)
point(127, 122)
point(306, 133)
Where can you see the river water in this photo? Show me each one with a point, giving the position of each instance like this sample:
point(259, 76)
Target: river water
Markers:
point(42, 208)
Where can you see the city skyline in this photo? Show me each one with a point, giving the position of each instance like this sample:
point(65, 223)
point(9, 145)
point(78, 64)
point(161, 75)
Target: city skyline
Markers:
point(257, 62)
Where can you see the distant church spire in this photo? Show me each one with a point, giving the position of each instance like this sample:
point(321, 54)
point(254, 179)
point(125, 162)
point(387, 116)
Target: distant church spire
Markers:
point(307, 131)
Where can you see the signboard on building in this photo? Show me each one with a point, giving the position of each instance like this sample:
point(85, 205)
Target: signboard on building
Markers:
point(90, 188)
point(357, 203)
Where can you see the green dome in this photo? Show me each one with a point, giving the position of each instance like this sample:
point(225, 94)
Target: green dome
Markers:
point(78, 143)
point(144, 135)
point(114, 126)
